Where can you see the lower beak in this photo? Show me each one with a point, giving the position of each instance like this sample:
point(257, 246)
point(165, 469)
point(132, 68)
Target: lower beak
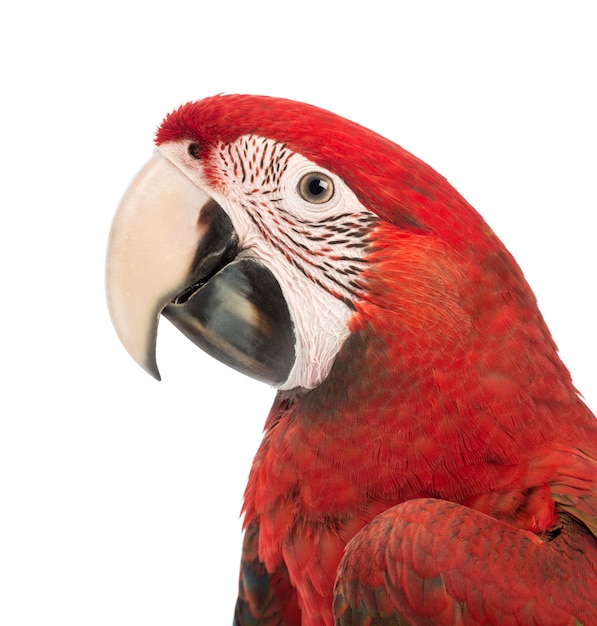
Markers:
point(173, 249)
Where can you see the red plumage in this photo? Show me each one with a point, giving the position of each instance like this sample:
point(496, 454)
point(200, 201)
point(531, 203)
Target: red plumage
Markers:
point(446, 465)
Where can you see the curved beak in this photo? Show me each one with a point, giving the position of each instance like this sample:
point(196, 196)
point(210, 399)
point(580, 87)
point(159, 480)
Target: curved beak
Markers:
point(173, 249)
point(150, 253)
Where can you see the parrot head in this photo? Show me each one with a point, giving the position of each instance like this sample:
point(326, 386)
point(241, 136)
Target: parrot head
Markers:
point(270, 231)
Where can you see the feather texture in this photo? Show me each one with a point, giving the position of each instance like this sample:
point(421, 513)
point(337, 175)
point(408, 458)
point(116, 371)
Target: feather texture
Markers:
point(444, 471)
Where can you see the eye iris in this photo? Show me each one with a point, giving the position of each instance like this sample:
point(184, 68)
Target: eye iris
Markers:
point(316, 188)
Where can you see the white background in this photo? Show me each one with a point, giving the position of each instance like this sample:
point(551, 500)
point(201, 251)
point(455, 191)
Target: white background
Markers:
point(119, 496)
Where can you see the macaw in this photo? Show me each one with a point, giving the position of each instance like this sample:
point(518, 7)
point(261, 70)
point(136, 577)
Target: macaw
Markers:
point(427, 459)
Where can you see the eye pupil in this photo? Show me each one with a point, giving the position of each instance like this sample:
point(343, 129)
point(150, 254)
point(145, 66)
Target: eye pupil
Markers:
point(316, 188)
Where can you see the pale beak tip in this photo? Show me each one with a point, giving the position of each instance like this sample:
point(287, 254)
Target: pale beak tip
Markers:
point(155, 373)
point(152, 368)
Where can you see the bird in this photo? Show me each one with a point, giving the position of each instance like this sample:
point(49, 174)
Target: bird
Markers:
point(427, 458)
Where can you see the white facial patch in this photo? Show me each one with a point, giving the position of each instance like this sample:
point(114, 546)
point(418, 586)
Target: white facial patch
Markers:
point(315, 245)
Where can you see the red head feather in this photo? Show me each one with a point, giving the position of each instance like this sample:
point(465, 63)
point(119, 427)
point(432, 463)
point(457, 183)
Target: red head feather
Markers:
point(391, 182)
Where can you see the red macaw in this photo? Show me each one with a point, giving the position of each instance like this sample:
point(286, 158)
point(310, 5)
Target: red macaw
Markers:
point(427, 459)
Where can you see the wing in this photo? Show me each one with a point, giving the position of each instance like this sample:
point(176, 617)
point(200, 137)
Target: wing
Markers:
point(264, 599)
point(575, 490)
point(430, 561)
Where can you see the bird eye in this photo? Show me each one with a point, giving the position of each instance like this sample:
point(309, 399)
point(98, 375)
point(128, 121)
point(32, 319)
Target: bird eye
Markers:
point(316, 187)
point(194, 150)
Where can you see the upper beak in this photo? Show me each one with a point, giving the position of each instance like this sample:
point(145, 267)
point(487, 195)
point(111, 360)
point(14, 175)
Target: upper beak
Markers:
point(173, 249)
point(152, 244)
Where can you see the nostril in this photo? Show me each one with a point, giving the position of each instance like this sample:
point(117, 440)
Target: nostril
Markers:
point(194, 150)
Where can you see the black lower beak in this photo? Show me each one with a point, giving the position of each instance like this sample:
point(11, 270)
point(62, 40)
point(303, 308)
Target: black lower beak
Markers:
point(239, 316)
